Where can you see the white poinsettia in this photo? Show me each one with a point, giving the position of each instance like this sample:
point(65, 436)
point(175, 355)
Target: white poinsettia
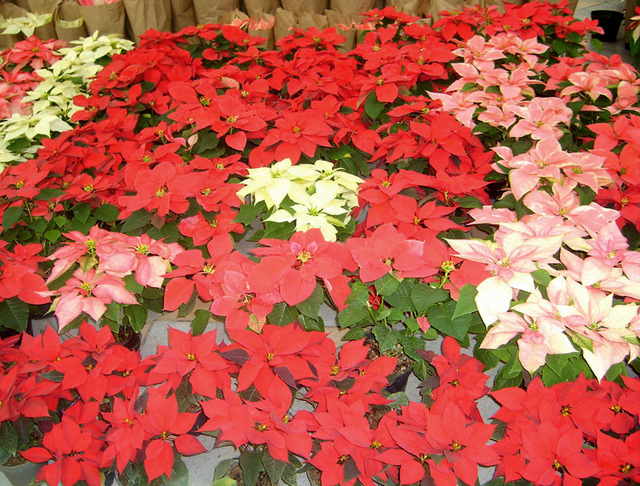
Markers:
point(25, 25)
point(317, 195)
point(52, 100)
point(323, 210)
point(269, 184)
point(42, 122)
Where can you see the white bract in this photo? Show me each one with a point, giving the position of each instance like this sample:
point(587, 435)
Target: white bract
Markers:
point(317, 195)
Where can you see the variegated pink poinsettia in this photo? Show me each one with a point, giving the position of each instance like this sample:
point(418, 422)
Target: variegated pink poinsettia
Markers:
point(104, 259)
point(546, 177)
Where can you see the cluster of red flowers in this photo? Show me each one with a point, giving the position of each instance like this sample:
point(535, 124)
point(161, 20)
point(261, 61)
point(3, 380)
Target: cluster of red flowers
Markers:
point(99, 403)
point(570, 431)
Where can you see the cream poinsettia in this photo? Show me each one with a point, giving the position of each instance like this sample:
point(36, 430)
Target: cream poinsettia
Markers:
point(323, 210)
point(25, 25)
point(317, 195)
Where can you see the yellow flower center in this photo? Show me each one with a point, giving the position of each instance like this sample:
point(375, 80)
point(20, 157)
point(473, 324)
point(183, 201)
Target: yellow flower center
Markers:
point(304, 256)
point(204, 101)
point(88, 188)
point(209, 269)
point(456, 446)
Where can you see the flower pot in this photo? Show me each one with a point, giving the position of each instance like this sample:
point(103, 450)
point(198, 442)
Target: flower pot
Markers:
point(610, 21)
point(20, 474)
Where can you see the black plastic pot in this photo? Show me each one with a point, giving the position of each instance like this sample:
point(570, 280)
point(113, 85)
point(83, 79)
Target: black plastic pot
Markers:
point(610, 21)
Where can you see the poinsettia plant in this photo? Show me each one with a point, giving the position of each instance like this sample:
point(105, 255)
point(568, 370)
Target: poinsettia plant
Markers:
point(463, 185)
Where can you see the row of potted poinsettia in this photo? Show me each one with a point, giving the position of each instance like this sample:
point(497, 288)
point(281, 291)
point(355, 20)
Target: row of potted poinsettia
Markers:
point(133, 415)
point(476, 179)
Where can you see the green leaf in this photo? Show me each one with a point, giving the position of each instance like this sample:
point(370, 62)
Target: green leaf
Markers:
point(282, 314)
point(82, 211)
point(132, 285)
point(424, 296)
point(503, 381)
point(200, 321)
point(52, 235)
point(410, 345)
point(355, 313)
point(372, 107)
point(113, 311)
point(386, 337)
point(290, 475)
point(137, 315)
point(580, 340)
point(11, 216)
point(137, 220)
point(310, 307)
point(541, 277)
point(469, 202)
point(9, 438)
point(399, 399)
point(251, 464)
point(615, 372)
point(401, 298)
point(106, 213)
point(466, 302)
point(586, 194)
point(387, 284)
point(560, 46)
point(440, 318)
point(248, 212)
point(310, 324)
point(222, 469)
point(179, 474)
point(225, 482)
point(355, 334)
point(412, 324)
point(14, 314)
point(469, 87)
point(274, 467)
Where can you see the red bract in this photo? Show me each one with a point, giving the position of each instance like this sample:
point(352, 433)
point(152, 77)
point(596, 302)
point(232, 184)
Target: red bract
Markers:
point(75, 454)
point(19, 274)
point(259, 422)
point(294, 266)
point(388, 251)
point(126, 434)
point(616, 460)
point(294, 133)
point(463, 442)
point(279, 357)
point(460, 375)
point(197, 357)
point(164, 425)
point(160, 188)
